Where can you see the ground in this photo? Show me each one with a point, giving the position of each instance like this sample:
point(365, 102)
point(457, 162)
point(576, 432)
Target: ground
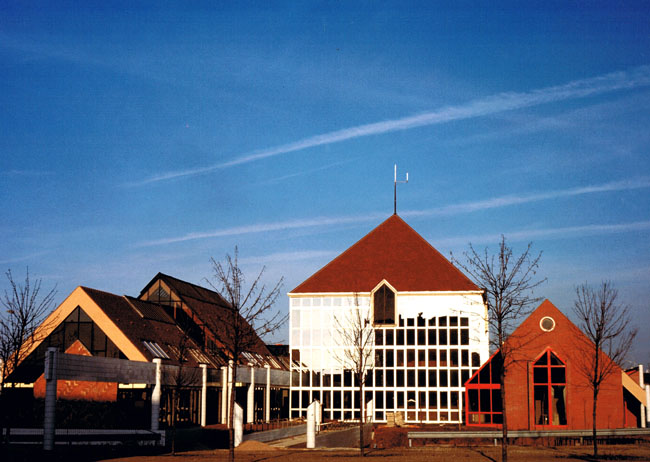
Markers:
point(428, 454)
point(259, 452)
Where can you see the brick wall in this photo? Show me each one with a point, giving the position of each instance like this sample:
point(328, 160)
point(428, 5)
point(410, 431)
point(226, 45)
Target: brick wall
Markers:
point(78, 389)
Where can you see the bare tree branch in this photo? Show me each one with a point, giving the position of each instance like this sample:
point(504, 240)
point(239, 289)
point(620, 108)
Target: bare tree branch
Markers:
point(245, 318)
point(608, 337)
point(355, 335)
point(508, 282)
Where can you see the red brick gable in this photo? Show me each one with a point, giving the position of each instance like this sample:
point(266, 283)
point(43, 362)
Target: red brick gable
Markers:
point(392, 251)
point(571, 346)
point(78, 389)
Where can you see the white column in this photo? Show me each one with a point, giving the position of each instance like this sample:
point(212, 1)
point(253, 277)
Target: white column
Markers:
point(644, 409)
point(238, 424)
point(229, 394)
point(204, 394)
point(267, 397)
point(224, 395)
point(311, 425)
point(49, 417)
point(250, 402)
point(155, 395)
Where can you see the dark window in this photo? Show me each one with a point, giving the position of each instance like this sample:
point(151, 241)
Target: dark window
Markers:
point(443, 378)
point(410, 378)
point(379, 378)
point(400, 377)
point(390, 382)
point(389, 336)
point(432, 337)
point(400, 357)
point(410, 337)
point(384, 306)
point(390, 362)
point(549, 383)
point(379, 337)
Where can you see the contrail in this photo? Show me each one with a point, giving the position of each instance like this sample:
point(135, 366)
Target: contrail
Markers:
point(454, 209)
point(501, 102)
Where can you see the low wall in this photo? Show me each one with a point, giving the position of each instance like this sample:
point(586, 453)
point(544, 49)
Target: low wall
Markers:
point(276, 434)
point(88, 436)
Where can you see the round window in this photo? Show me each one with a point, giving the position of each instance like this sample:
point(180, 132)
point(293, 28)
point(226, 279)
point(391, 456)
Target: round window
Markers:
point(547, 324)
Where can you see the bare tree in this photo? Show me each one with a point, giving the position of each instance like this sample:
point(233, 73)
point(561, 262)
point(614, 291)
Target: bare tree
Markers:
point(609, 336)
point(246, 318)
point(355, 334)
point(509, 282)
point(23, 309)
point(179, 378)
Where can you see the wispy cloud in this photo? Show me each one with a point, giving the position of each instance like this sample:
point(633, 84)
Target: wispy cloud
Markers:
point(265, 227)
point(504, 201)
point(632, 78)
point(23, 258)
point(307, 172)
point(25, 173)
point(288, 257)
point(547, 233)
point(454, 209)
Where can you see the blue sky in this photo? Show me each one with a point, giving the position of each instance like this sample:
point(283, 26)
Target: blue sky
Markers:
point(139, 138)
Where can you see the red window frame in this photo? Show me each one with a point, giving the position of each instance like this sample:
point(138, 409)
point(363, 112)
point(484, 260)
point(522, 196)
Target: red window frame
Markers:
point(547, 355)
point(478, 386)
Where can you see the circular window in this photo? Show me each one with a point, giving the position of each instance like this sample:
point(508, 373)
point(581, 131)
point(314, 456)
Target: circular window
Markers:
point(547, 324)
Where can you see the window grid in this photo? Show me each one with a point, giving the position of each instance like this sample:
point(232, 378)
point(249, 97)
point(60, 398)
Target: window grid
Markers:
point(420, 368)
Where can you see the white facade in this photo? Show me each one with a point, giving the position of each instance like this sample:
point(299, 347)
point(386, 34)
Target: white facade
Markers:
point(438, 340)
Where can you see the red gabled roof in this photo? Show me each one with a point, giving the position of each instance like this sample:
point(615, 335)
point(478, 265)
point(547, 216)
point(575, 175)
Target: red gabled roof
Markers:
point(392, 251)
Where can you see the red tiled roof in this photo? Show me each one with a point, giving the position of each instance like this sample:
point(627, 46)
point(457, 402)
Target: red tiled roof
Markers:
point(392, 251)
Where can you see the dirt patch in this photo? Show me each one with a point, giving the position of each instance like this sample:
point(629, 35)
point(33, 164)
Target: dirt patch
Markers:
point(252, 445)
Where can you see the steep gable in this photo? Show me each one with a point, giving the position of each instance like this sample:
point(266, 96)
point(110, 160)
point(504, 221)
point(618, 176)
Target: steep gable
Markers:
point(394, 252)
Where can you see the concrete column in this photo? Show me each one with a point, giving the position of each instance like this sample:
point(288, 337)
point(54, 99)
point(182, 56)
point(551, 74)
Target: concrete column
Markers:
point(250, 402)
point(238, 424)
point(267, 397)
point(311, 425)
point(49, 417)
point(155, 395)
point(319, 415)
point(224, 395)
point(204, 394)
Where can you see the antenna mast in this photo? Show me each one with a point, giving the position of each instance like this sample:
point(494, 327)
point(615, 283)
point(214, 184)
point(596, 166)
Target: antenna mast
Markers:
point(395, 189)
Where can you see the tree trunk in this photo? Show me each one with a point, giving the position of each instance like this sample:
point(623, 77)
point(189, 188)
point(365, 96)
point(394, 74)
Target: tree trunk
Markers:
point(593, 416)
point(231, 414)
point(362, 419)
point(174, 398)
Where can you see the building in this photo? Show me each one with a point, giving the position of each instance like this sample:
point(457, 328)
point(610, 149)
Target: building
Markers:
point(429, 323)
point(546, 387)
point(173, 320)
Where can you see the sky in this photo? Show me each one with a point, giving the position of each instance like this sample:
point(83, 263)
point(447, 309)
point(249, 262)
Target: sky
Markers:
point(139, 138)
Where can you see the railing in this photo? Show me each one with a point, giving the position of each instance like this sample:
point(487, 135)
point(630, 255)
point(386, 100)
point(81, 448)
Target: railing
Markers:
point(498, 434)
